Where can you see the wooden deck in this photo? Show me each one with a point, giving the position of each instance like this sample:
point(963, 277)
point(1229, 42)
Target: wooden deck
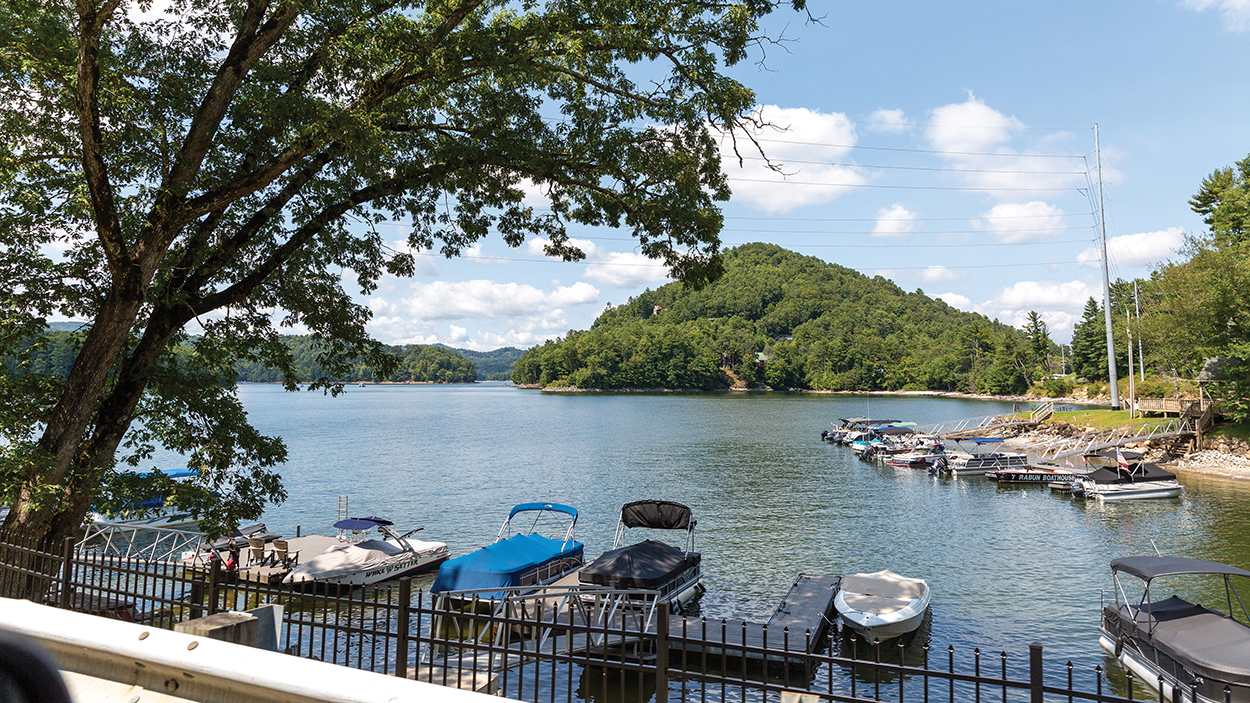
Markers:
point(306, 547)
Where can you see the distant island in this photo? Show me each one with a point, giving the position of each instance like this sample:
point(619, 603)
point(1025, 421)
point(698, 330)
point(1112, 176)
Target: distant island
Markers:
point(782, 320)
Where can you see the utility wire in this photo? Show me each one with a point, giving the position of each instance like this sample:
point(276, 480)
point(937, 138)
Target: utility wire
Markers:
point(898, 187)
point(783, 161)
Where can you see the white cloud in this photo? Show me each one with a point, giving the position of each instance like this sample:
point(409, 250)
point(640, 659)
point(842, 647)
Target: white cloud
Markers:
point(894, 221)
point(954, 300)
point(975, 138)
point(456, 332)
point(940, 274)
point(1022, 222)
point(1136, 249)
point(797, 135)
point(1235, 13)
point(425, 262)
point(477, 299)
point(610, 268)
point(474, 254)
point(1059, 303)
point(624, 270)
point(889, 121)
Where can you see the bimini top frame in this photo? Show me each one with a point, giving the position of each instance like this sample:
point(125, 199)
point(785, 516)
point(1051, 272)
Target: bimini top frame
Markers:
point(656, 515)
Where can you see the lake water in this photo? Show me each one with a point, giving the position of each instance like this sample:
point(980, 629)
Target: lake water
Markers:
point(1007, 566)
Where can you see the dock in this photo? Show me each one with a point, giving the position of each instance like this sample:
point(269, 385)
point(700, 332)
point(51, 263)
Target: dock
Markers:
point(801, 624)
point(265, 571)
point(806, 608)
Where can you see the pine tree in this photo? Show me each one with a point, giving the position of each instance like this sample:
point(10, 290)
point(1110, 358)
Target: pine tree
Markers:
point(1089, 344)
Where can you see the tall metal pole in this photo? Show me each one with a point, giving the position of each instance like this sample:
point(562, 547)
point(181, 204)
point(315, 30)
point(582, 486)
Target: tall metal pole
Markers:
point(1132, 389)
point(1141, 358)
point(1106, 282)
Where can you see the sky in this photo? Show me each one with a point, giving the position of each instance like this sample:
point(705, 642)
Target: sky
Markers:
point(948, 147)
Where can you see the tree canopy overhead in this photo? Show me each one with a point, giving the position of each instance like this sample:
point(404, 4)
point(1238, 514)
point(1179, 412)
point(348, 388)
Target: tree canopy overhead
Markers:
point(219, 161)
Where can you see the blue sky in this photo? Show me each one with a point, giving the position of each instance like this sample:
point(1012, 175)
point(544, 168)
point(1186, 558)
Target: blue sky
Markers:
point(945, 146)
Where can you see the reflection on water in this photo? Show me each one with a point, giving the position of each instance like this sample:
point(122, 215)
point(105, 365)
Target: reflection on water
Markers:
point(1006, 566)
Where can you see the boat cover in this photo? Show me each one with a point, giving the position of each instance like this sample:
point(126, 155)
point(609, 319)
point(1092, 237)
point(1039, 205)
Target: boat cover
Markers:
point(894, 431)
point(648, 564)
point(1147, 568)
point(657, 514)
point(885, 584)
point(343, 560)
point(361, 524)
point(1138, 474)
point(501, 564)
point(1206, 642)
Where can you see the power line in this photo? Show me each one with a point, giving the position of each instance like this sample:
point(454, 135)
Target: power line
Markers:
point(923, 151)
point(916, 168)
point(898, 187)
point(657, 263)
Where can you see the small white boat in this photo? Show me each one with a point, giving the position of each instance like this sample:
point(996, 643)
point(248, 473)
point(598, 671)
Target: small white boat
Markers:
point(882, 605)
point(360, 562)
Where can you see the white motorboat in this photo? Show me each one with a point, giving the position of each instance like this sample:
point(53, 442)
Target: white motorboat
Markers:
point(1185, 651)
point(882, 605)
point(1127, 479)
point(359, 562)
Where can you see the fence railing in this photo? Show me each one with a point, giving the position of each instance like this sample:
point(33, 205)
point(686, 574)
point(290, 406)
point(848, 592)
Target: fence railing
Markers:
point(537, 652)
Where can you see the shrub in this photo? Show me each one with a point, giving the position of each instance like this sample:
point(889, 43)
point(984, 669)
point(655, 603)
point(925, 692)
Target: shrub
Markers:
point(1057, 387)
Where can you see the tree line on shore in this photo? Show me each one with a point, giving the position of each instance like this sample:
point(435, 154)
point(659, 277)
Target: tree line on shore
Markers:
point(53, 352)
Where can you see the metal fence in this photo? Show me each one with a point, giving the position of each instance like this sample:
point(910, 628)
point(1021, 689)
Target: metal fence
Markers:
point(543, 651)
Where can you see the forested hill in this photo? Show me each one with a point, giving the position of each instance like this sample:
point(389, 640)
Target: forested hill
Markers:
point(56, 348)
point(789, 321)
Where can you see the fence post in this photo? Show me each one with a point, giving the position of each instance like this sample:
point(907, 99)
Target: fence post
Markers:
point(67, 571)
point(661, 655)
point(1035, 672)
point(214, 578)
point(401, 656)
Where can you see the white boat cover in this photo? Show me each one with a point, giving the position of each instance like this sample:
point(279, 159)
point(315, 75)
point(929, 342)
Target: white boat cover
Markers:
point(346, 559)
point(881, 592)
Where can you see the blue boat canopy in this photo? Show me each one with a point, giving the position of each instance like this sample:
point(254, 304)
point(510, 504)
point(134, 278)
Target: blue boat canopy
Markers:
point(362, 523)
point(557, 507)
point(502, 564)
point(980, 440)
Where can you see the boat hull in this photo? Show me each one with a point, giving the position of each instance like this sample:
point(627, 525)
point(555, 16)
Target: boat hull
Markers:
point(1128, 491)
point(425, 557)
point(1032, 476)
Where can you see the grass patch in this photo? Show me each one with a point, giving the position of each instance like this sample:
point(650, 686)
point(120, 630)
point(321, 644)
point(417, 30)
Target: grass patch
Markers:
point(1093, 417)
point(1237, 430)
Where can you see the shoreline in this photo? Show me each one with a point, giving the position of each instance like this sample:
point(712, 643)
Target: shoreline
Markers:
point(918, 394)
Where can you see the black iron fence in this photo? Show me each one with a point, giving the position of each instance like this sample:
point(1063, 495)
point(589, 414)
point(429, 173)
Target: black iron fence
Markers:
point(543, 651)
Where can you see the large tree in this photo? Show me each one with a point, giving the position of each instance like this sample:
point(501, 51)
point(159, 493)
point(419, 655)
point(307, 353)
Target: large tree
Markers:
point(230, 163)
point(1199, 307)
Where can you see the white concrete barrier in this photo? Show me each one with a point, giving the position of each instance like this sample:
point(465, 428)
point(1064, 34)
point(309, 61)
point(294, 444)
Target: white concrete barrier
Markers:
point(186, 667)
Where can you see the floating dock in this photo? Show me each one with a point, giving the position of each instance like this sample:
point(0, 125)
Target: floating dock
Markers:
point(807, 607)
point(300, 549)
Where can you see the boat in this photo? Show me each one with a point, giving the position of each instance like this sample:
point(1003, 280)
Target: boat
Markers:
point(1127, 480)
point(650, 565)
point(361, 562)
point(852, 426)
point(520, 559)
point(977, 462)
point(1184, 650)
point(153, 511)
point(917, 459)
point(882, 605)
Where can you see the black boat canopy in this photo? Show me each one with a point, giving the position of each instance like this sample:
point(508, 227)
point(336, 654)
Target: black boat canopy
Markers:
point(894, 430)
point(1146, 568)
point(1136, 474)
point(657, 515)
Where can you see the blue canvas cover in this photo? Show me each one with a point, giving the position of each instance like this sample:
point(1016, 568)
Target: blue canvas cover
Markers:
point(501, 564)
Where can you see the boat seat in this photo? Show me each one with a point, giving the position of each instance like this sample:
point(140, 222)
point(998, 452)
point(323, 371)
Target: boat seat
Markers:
point(874, 604)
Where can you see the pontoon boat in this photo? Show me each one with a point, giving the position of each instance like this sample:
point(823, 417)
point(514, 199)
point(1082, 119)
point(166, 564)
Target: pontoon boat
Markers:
point(521, 559)
point(650, 564)
point(1127, 480)
point(978, 462)
point(1187, 651)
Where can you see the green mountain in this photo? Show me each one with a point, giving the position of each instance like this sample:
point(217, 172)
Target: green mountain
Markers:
point(788, 321)
point(494, 365)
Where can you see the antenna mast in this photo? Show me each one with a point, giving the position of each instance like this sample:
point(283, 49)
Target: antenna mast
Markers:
point(1106, 281)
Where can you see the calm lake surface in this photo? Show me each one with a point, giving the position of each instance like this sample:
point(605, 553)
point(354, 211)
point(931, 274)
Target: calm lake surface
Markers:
point(1007, 566)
